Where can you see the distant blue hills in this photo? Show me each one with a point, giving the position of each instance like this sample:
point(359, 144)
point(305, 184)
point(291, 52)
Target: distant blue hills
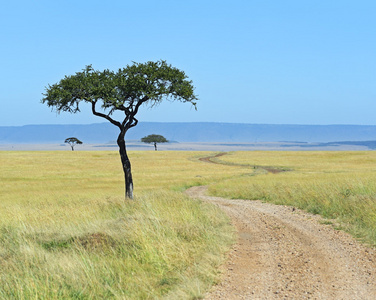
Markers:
point(189, 132)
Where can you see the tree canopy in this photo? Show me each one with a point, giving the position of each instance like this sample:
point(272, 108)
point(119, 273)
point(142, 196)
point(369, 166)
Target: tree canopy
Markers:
point(154, 139)
point(72, 141)
point(124, 91)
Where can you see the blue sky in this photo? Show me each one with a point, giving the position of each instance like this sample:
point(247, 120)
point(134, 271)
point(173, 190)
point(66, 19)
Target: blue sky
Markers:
point(251, 61)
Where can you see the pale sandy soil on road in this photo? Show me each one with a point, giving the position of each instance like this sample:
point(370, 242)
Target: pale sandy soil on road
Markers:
point(283, 253)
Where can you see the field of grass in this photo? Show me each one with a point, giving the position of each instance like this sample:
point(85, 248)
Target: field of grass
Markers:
point(67, 233)
point(337, 185)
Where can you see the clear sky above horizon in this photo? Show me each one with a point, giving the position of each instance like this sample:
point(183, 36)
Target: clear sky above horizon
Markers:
point(251, 61)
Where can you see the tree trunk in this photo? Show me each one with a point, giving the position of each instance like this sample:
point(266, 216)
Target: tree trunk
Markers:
point(72, 148)
point(155, 146)
point(126, 166)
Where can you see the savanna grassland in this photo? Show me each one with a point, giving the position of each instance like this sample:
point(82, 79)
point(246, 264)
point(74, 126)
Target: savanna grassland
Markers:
point(340, 186)
point(66, 231)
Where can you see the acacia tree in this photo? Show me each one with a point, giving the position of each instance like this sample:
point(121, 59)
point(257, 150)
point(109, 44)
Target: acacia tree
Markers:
point(72, 141)
point(154, 139)
point(123, 91)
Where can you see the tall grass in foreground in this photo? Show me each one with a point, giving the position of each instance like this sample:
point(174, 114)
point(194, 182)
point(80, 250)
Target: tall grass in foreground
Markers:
point(142, 249)
point(67, 233)
point(336, 185)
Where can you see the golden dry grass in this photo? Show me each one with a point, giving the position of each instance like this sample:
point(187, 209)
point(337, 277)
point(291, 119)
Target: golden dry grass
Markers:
point(337, 185)
point(67, 233)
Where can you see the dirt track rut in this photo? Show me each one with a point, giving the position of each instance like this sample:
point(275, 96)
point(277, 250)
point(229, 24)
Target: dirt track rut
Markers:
point(283, 253)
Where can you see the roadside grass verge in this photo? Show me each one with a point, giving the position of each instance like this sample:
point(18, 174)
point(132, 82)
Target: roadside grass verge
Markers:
point(336, 185)
point(66, 231)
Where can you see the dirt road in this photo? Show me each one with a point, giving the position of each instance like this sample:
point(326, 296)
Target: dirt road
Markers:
point(283, 253)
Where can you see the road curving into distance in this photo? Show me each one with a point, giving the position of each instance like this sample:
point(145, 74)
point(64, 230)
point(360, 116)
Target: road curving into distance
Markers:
point(285, 253)
point(214, 159)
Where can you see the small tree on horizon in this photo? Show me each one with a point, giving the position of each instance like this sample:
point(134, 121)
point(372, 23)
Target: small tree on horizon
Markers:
point(72, 141)
point(154, 139)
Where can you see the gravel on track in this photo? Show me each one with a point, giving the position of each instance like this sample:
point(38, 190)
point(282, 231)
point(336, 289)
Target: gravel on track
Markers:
point(285, 253)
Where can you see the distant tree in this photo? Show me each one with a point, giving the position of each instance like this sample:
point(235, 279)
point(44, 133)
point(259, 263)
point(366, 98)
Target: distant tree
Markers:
point(154, 139)
point(72, 141)
point(123, 91)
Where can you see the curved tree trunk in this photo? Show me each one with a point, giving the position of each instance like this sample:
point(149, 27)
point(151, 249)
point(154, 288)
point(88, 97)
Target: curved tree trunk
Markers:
point(155, 146)
point(126, 167)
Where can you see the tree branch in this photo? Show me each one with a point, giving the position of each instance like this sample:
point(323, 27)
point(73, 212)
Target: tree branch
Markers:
point(125, 121)
point(137, 106)
point(116, 123)
point(135, 122)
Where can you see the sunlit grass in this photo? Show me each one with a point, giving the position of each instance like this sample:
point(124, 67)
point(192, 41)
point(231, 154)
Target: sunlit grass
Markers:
point(336, 185)
point(66, 231)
